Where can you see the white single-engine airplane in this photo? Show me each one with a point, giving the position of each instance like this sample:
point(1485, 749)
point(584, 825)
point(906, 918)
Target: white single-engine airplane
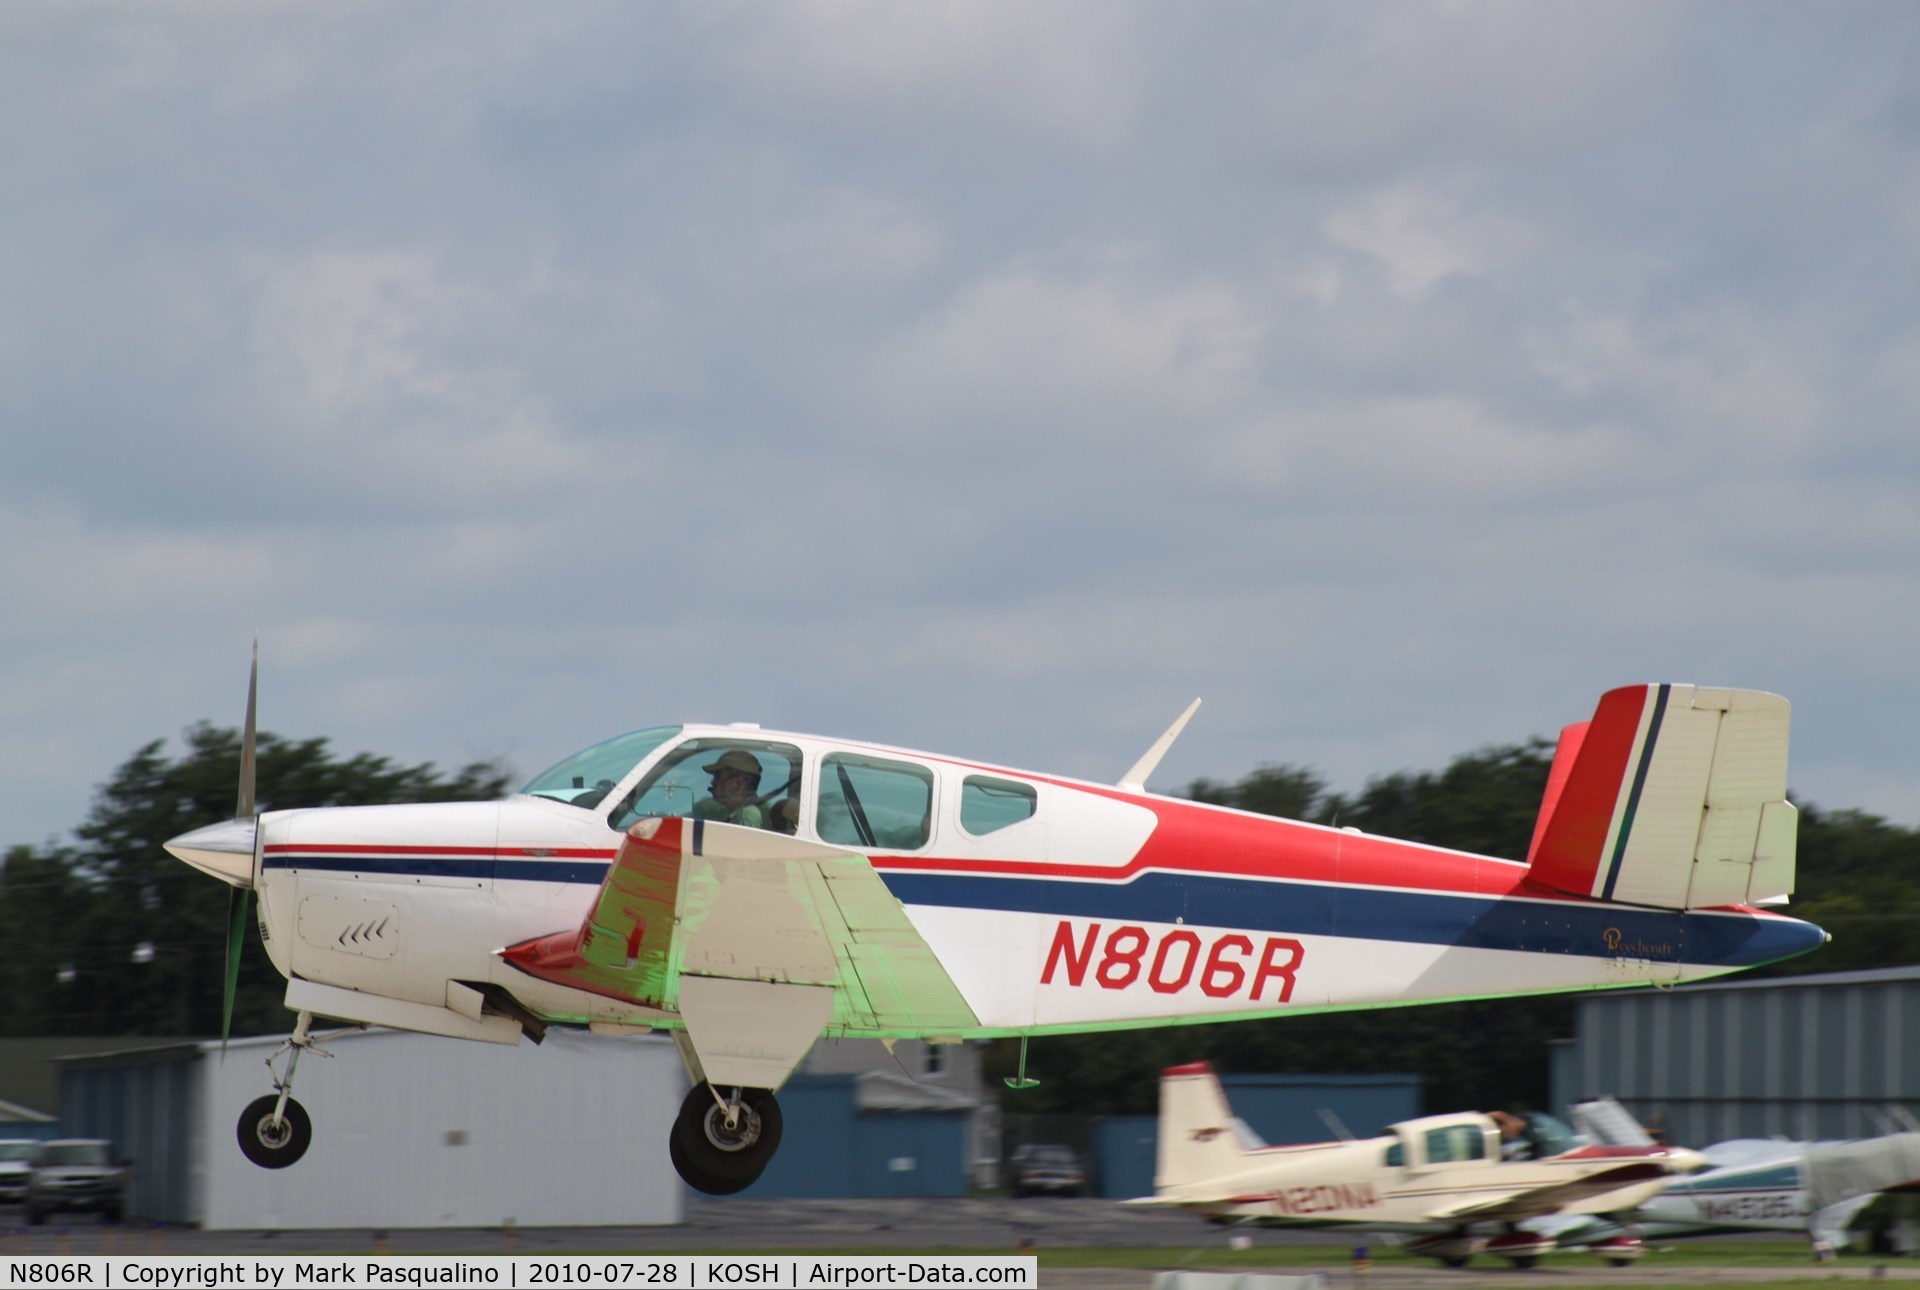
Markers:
point(1748, 1185)
point(1443, 1177)
point(750, 891)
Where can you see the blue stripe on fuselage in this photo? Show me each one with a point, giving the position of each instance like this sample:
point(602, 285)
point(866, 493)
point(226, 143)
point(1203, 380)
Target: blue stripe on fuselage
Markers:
point(1775, 1177)
point(1214, 900)
point(1429, 918)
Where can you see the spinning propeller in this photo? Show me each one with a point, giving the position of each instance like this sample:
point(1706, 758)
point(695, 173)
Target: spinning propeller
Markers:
point(227, 851)
point(243, 810)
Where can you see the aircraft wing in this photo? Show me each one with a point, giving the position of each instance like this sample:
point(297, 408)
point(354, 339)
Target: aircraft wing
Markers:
point(1569, 1230)
point(1605, 1121)
point(1533, 1202)
point(688, 903)
point(1840, 1171)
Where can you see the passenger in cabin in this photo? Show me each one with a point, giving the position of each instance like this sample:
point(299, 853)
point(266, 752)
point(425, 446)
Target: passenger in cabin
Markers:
point(1514, 1142)
point(736, 782)
point(786, 815)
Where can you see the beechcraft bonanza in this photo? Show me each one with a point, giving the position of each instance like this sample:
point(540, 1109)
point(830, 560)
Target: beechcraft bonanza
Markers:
point(655, 881)
point(1445, 1178)
point(1747, 1185)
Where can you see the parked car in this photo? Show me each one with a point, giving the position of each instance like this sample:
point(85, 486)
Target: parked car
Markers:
point(1045, 1168)
point(15, 1153)
point(75, 1174)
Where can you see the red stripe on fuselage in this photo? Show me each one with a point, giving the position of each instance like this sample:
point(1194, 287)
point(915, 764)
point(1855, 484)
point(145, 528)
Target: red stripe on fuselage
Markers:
point(1198, 839)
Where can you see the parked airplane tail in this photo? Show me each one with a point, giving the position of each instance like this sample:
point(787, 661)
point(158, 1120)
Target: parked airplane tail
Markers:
point(1198, 1139)
point(1673, 796)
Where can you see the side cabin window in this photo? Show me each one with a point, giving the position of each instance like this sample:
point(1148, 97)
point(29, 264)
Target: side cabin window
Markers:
point(874, 803)
point(1397, 1155)
point(988, 804)
point(1456, 1143)
point(749, 782)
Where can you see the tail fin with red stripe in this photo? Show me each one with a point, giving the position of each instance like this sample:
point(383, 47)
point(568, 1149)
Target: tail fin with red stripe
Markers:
point(1198, 1134)
point(1673, 796)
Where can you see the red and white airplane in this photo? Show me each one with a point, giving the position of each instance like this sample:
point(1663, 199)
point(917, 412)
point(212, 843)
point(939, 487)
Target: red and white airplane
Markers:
point(1447, 1178)
point(749, 891)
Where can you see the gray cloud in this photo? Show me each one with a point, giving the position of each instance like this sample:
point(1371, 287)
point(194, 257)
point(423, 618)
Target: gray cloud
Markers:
point(960, 376)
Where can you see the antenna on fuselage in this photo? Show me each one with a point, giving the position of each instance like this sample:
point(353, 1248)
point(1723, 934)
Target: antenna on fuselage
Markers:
point(1020, 1079)
point(1334, 1122)
point(1135, 780)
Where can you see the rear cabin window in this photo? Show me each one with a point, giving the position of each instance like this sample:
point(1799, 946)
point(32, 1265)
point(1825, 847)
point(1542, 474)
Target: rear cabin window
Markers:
point(988, 804)
point(874, 803)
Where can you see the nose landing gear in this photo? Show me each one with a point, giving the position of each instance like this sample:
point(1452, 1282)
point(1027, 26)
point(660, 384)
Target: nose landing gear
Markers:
point(274, 1131)
point(721, 1144)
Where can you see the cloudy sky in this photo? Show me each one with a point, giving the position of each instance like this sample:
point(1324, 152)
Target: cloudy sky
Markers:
point(991, 378)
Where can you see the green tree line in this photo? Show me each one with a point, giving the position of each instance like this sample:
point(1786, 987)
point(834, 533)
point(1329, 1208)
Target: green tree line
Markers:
point(109, 935)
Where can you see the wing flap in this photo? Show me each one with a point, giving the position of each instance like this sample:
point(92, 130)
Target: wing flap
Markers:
point(694, 898)
point(1532, 1202)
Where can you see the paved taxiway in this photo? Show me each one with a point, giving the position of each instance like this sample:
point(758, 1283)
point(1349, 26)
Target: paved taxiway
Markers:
point(920, 1226)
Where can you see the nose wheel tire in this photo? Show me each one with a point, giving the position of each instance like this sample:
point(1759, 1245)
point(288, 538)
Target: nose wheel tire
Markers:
point(719, 1158)
point(274, 1144)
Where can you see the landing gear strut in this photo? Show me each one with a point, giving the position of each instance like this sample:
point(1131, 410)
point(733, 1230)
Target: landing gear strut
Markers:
point(721, 1143)
point(275, 1130)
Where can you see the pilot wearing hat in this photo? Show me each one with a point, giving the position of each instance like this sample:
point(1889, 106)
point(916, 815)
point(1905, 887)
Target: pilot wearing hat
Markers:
point(736, 781)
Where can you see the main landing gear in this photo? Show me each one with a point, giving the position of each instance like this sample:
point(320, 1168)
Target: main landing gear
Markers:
point(275, 1130)
point(721, 1143)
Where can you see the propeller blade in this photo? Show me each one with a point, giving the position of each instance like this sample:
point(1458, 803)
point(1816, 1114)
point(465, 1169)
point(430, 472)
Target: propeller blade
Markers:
point(236, 942)
point(243, 810)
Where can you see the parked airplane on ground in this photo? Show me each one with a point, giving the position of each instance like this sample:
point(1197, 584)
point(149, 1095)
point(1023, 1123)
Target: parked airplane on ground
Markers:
point(749, 891)
point(1444, 1177)
point(1749, 1185)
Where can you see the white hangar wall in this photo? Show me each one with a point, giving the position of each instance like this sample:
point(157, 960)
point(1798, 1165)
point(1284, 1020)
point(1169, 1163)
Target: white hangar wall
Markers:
point(418, 1131)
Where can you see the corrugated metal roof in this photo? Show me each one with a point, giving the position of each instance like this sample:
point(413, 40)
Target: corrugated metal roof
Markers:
point(1866, 976)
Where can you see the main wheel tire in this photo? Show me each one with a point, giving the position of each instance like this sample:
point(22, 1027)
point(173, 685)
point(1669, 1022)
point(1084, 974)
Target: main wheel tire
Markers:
point(714, 1158)
point(712, 1184)
point(1456, 1260)
point(271, 1145)
point(1524, 1260)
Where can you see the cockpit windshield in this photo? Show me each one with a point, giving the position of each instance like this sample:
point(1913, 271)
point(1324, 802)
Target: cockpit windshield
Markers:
point(588, 776)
